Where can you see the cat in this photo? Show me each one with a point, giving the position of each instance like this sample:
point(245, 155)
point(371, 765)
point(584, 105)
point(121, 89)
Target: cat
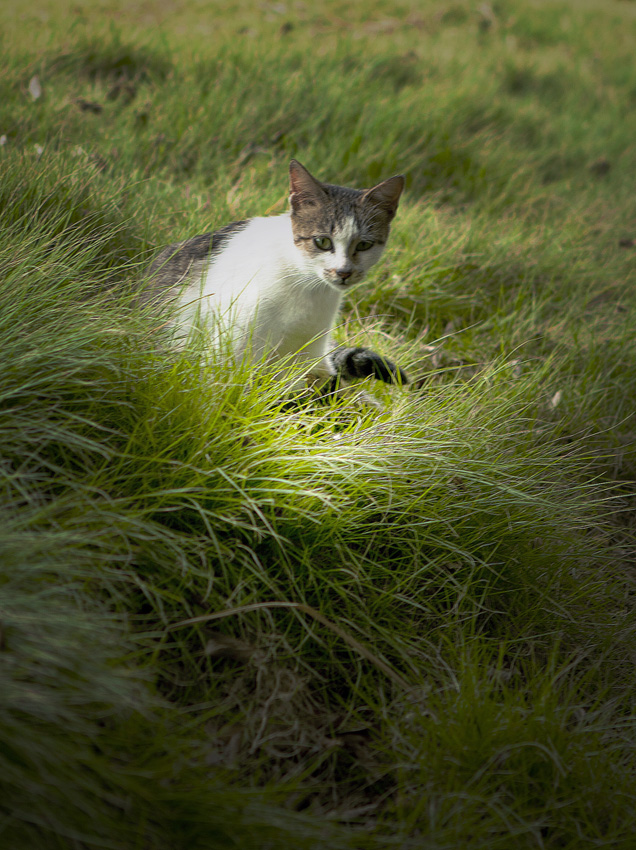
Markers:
point(275, 284)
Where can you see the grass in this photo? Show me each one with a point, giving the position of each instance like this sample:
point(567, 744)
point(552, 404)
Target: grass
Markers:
point(228, 624)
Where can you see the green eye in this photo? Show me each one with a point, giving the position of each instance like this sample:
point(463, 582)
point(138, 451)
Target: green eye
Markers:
point(364, 246)
point(323, 242)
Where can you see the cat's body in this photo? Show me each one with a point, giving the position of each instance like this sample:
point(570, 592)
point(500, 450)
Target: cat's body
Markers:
point(274, 285)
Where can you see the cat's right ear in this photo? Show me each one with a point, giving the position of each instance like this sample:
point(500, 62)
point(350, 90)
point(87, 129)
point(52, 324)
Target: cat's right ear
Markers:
point(304, 189)
point(386, 194)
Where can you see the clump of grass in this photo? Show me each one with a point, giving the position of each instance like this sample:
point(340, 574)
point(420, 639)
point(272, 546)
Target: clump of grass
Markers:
point(489, 760)
point(114, 61)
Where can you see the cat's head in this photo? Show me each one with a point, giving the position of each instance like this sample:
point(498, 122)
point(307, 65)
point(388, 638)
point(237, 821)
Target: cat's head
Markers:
point(340, 232)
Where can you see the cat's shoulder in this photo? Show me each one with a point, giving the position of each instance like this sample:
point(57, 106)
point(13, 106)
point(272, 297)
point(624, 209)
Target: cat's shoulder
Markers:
point(175, 260)
point(178, 263)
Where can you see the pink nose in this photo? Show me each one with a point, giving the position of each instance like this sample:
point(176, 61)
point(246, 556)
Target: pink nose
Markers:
point(343, 274)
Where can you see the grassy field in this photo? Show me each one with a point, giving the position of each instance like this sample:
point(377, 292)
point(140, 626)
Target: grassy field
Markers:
point(226, 624)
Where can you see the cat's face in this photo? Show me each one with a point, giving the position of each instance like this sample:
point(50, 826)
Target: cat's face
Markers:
point(340, 232)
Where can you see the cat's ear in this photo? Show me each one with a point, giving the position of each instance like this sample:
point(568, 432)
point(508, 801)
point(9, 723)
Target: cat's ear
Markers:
point(303, 187)
point(386, 195)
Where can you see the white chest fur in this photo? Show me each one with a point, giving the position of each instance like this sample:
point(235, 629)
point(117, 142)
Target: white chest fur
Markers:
point(261, 289)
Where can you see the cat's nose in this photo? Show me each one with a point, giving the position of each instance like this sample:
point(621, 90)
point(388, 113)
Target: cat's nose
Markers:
point(343, 274)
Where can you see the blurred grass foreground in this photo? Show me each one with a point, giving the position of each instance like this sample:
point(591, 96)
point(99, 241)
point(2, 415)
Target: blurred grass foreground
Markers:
point(227, 624)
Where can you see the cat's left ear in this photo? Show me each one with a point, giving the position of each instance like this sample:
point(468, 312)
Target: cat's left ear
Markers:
point(386, 195)
point(303, 187)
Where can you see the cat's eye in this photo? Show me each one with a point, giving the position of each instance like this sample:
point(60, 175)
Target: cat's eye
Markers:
point(323, 242)
point(364, 245)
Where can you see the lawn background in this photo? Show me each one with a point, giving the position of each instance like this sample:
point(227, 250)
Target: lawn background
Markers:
point(224, 623)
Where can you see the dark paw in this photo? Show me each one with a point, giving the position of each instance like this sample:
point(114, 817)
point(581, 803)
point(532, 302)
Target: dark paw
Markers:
point(364, 363)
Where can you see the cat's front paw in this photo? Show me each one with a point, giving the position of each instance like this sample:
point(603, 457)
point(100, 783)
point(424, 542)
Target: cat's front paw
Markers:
point(363, 363)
